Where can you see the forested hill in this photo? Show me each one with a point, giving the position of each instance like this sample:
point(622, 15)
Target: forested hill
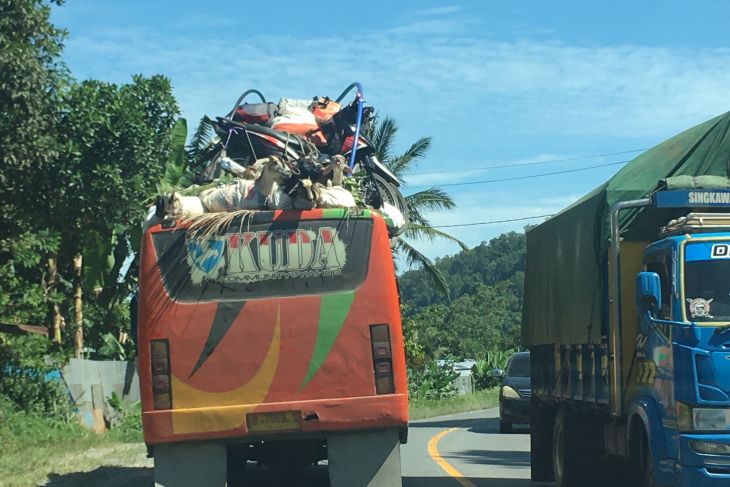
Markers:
point(502, 259)
point(485, 310)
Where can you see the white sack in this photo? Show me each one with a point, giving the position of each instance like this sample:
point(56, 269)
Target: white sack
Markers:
point(335, 197)
point(240, 194)
point(292, 105)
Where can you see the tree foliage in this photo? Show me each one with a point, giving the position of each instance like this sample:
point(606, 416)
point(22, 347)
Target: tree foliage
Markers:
point(31, 75)
point(25, 362)
point(502, 259)
point(484, 314)
point(78, 161)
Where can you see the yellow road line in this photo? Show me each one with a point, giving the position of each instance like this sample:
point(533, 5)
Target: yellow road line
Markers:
point(436, 457)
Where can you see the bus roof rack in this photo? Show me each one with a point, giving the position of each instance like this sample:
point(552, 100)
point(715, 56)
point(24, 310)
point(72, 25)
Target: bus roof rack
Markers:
point(697, 223)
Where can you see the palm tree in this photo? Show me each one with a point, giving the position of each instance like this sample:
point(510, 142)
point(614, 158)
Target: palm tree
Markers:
point(432, 199)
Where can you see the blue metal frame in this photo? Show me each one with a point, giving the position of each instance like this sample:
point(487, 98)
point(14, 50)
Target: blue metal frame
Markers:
point(358, 121)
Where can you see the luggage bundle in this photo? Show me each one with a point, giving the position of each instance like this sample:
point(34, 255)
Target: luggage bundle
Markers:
point(294, 154)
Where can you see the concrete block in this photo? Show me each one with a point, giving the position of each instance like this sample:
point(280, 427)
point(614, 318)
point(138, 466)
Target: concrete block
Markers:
point(190, 464)
point(365, 459)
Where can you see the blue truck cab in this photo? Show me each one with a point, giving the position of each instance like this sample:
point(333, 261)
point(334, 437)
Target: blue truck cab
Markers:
point(638, 390)
point(683, 352)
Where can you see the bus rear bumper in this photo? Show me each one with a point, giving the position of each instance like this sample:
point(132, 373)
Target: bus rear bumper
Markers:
point(317, 416)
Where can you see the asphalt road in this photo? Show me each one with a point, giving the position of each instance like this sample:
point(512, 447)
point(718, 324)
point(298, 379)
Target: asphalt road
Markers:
point(471, 446)
point(468, 445)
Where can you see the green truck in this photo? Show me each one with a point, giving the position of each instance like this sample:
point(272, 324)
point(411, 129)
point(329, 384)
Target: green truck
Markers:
point(627, 318)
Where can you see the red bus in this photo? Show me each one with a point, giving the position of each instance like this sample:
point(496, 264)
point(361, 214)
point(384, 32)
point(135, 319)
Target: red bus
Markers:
point(277, 339)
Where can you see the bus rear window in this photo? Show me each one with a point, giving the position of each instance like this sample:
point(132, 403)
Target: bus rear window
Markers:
point(265, 260)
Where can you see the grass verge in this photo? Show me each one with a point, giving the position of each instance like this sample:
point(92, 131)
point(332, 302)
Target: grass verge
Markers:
point(35, 446)
point(428, 408)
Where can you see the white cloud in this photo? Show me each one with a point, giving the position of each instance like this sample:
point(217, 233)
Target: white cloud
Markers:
point(482, 85)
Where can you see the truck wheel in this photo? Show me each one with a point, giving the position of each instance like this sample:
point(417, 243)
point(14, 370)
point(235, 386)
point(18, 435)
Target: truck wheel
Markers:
point(642, 468)
point(505, 426)
point(569, 463)
point(542, 421)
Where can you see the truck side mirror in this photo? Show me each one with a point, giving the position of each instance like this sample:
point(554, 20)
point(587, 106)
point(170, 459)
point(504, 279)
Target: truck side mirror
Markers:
point(648, 292)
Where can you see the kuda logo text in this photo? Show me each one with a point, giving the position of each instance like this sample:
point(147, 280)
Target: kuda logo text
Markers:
point(266, 255)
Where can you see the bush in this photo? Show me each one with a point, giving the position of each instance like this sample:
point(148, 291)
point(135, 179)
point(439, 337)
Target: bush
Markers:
point(127, 427)
point(29, 377)
point(432, 381)
point(24, 429)
point(483, 370)
point(34, 445)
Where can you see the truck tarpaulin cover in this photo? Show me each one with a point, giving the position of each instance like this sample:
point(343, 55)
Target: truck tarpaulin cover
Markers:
point(565, 279)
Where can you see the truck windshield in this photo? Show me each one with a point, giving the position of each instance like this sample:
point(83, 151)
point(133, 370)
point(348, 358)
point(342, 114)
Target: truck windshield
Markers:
point(706, 283)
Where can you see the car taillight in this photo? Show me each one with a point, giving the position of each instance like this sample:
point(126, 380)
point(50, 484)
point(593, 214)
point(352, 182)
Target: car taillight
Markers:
point(382, 359)
point(160, 365)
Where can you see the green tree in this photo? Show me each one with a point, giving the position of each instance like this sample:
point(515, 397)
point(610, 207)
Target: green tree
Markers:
point(114, 143)
point(469, 326)
point(31, 75)
point(432, 199)
point(501, 260)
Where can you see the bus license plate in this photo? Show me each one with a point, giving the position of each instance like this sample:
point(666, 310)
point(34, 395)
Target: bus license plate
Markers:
point(278, 421)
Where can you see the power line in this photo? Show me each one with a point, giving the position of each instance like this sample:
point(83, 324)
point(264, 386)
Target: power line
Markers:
point(485, 181)
point(505, 165)
point(492, 222)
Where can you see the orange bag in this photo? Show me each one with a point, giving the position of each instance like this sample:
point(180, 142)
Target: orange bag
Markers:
point(324, 108)
point(303, 124)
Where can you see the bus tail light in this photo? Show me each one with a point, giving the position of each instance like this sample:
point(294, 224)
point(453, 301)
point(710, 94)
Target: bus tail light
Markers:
point(382, 359)
point(160, 364)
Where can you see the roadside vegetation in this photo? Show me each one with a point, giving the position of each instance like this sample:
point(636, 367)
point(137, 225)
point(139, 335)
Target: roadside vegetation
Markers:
point(37, 445)
point(430, 408)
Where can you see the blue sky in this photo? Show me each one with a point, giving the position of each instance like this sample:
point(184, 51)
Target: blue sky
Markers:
point(495, 83)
